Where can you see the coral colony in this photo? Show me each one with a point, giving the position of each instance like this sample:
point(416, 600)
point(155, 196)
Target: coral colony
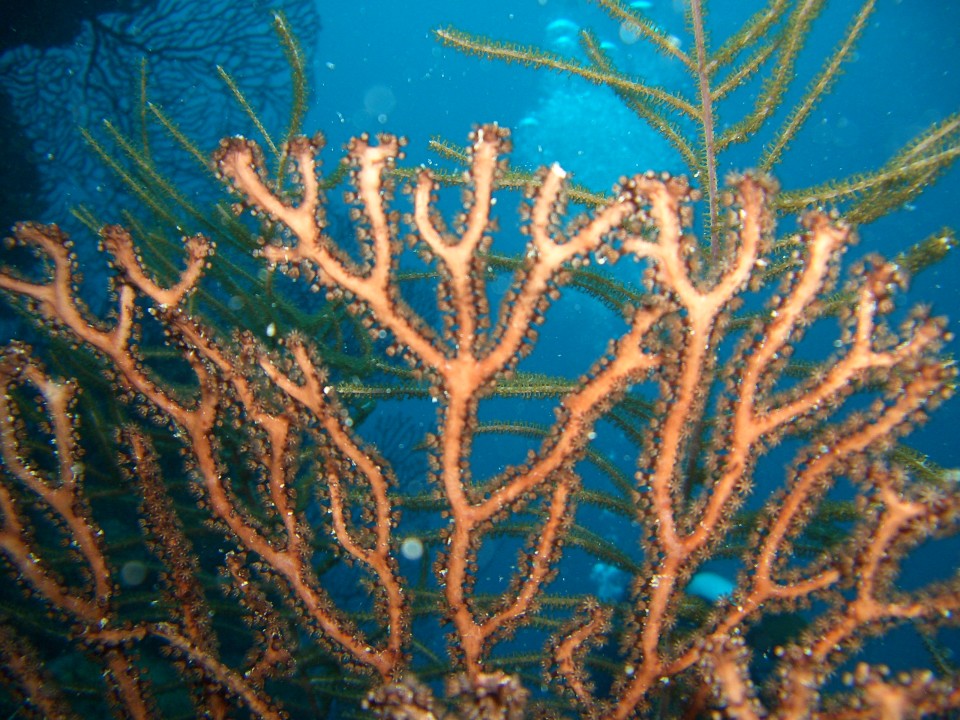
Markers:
point(282, 398)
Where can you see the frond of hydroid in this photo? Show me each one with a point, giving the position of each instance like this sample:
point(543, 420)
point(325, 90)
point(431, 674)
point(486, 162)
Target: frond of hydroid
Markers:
point(252, 114)
point(641, 106)
point(646, 29)
point(537, 58)
point(755, 30)
point(790, 41)
point(817, 89)
point(909, 171)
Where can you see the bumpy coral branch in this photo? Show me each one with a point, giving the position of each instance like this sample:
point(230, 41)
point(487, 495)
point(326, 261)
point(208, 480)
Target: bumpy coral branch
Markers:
point(220, 382)
point(91, 611)
point(472, 358)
